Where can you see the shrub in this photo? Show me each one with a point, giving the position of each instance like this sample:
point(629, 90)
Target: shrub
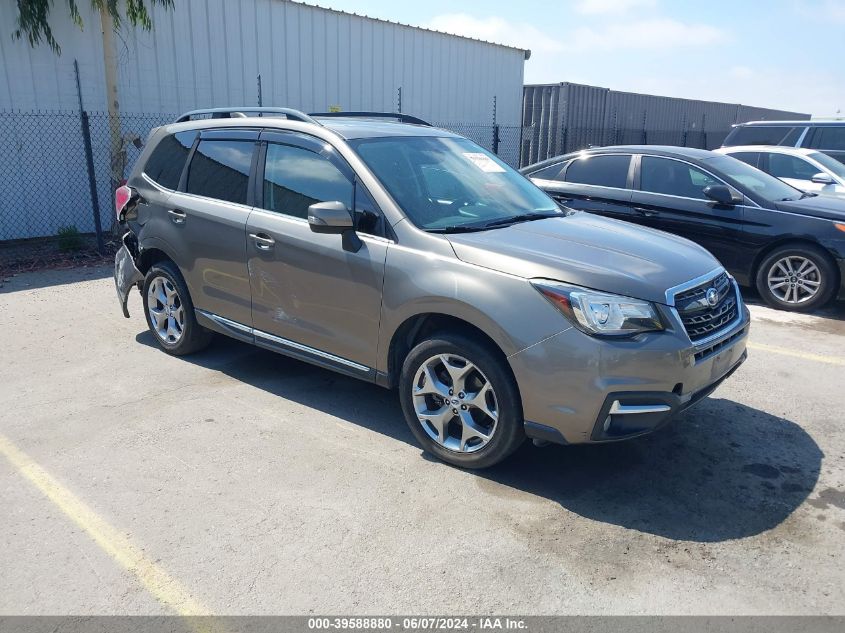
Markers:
point(70, 238)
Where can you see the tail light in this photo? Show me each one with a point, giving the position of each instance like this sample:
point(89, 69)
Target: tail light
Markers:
point(122, 196)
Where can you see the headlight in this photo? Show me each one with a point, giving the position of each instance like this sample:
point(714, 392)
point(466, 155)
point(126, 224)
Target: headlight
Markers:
point(600, 313)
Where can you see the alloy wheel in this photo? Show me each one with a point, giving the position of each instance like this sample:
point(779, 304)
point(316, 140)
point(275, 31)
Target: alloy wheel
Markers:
point(167, 313)
point(794, 279)
point(455, 403)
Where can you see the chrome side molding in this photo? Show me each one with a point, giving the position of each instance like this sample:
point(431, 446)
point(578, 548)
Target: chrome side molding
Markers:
point(309, 350)
point(280, 344)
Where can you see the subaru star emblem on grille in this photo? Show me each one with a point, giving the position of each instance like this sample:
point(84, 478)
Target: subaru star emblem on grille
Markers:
point(712, 296)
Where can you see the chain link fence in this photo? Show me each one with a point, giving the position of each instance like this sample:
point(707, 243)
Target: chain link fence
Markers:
point(502, 140)
point(59, 170)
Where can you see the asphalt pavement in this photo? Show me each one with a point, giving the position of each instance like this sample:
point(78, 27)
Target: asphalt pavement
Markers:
point(237, 481)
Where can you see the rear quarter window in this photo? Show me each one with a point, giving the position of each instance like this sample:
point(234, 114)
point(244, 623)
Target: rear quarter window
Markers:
point(763, 135)
point(165, 164)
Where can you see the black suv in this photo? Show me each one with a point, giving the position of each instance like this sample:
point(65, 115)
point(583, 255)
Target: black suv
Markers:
point(824, 136)
point(790, 244)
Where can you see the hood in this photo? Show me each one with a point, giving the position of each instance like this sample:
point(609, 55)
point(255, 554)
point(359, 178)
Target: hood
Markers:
point(823, 206)
point(591, 251)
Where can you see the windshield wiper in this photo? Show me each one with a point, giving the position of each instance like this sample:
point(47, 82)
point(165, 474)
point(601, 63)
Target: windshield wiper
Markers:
point(471, 228)
point(457, 228)
point(523, 217)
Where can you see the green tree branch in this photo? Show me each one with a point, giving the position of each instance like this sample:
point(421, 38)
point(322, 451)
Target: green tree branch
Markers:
point(33, 21)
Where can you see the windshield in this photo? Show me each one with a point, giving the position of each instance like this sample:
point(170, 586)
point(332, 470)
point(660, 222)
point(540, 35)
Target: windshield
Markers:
point(831, 164)
point(447, 183)
point(748, 177)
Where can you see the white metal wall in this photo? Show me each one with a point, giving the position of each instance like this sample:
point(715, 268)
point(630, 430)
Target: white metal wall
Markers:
point(209, 52)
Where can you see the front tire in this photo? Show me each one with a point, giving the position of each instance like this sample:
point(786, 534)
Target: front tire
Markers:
point(170, 311)
point(461, 401)
point(797, 277)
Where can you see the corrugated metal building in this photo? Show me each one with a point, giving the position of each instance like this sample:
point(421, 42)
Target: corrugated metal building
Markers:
point(566, 117)
point(207, 53)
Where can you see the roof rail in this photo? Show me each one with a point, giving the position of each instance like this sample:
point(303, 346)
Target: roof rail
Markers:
point(399, 116)
point(234, 113)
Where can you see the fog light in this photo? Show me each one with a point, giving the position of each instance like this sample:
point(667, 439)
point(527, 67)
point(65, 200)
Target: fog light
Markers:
point(606, 425)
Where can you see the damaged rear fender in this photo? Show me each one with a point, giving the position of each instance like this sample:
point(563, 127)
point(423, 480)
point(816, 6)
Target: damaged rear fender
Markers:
point(126, 273)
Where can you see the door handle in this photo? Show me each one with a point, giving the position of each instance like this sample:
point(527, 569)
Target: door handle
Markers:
point(646, 213)
point(177, 216)
point(263, 241)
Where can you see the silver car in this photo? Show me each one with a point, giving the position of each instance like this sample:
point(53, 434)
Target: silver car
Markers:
point(804, 169)
point(405, 255)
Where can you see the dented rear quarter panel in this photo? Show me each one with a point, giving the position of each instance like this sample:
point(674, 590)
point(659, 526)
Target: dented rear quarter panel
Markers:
point(126, 275)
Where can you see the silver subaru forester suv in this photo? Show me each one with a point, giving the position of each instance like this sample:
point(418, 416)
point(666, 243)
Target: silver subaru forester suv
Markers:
point(405, 255)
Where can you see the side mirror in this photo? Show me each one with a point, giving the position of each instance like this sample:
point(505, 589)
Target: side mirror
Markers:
point(329, 217)
point(723, 195)
point(822, 179)
point(335, 219)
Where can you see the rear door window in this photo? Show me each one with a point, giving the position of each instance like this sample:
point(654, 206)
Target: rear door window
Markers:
point(220, 169)
point(601, 170)
point(550, 172)
point(751, 158)
point(167, 160)
point(674, 178)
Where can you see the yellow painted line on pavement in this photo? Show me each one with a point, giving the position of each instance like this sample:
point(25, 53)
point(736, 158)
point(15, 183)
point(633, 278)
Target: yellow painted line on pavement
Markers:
point(157, 581)
point(819, 358)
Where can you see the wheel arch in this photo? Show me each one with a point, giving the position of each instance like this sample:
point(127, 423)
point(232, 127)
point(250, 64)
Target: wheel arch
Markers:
point(153, 249)
point(790, 241)
point(418, 327)
point(151, 256)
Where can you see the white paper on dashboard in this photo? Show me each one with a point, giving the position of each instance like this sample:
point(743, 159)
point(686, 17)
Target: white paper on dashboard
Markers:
point(484, 162)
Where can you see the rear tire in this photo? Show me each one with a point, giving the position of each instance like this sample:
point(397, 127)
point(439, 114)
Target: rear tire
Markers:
point(796, 277)
point(461, 401)
point(170, 311)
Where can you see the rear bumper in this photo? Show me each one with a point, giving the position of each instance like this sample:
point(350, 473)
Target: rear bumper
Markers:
point(576, 388)
point(126, 274)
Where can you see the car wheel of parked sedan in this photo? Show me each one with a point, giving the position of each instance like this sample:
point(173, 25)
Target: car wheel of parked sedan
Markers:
point(461, 401)
point(170, 312)
point(796, 277)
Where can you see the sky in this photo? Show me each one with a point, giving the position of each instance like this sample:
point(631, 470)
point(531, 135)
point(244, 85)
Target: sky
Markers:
point(785, 54)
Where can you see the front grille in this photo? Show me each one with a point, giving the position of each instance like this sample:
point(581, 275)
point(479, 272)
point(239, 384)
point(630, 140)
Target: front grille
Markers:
point(701, 318)
point(718, 347)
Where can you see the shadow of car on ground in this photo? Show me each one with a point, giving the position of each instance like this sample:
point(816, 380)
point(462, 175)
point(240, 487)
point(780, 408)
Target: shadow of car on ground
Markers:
point(722, 471)
point(834, 309)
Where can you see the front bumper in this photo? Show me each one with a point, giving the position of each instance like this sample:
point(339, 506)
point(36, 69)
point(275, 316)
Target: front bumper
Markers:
point(126, 274)
point(576, 388)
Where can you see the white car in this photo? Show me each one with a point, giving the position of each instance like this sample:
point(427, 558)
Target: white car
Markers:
point(804, 169)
